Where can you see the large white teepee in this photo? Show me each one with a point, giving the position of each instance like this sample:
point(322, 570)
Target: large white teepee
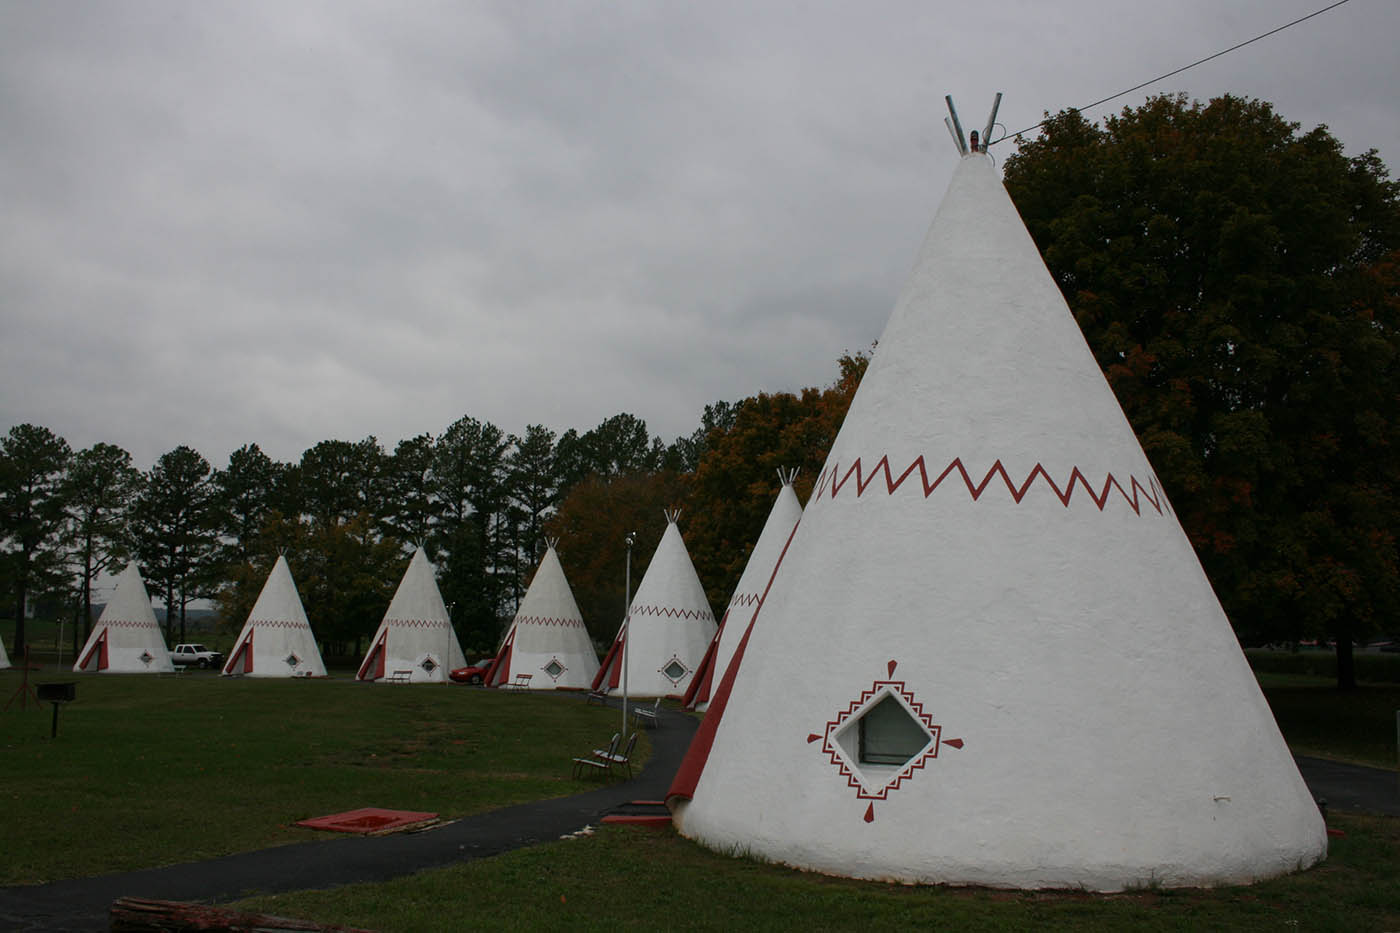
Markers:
point(670, 625)
point(4, 658)
point(748, 593)
point(547, 638)
point(416, 635)
point(990, 655)
point(126, 639)
point(276, 641)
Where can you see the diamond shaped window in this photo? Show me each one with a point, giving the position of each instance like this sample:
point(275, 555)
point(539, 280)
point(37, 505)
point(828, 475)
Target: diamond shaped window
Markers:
point(428, 665)
point(884, 733)
point(554, 668)
point(145, 657)
point(889, 735)
point(293, 660)
point(675, 670)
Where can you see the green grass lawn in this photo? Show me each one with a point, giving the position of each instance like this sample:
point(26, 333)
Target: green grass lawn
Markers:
point(624, 878)
point(156, 770)
point(1357, 726)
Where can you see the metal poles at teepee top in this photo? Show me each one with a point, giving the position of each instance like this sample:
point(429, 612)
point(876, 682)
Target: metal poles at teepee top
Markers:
point(956, 131)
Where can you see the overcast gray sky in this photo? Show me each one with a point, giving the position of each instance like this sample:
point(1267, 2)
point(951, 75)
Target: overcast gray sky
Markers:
point(282, 222)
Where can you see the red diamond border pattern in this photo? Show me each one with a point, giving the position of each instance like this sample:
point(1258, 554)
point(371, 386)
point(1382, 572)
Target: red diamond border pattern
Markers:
point(833, 726)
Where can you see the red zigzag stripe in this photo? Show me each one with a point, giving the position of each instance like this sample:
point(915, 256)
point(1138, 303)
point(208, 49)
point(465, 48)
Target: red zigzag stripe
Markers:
point(1152, 493)
point(418, 623)
point(544, 620)
point(279, 623)
point(745, 599)
point(674, 613)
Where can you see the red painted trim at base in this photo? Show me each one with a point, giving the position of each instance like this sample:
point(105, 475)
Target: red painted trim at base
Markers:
point(499, 671)
point(653, 821)
point(611, 669)
point(376, 658)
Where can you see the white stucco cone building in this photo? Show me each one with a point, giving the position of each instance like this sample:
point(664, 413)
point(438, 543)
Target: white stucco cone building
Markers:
point(753, 583)
point(276, 641)
point(990, 655)
point(4, 658)
point(669, 629)
point(126, 638)
point(416, 635)
point(547, 638)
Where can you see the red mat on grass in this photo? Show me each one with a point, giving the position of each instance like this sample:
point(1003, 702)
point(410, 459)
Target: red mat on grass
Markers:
point(370, 821)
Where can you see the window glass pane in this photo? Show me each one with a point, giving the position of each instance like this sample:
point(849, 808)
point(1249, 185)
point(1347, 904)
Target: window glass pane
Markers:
point(889, 735)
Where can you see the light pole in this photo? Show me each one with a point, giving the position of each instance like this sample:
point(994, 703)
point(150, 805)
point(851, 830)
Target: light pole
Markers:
point(627, 623)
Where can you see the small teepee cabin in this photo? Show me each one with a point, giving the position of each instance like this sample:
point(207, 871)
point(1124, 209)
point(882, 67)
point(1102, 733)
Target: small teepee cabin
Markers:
point(547, 638)
point(415, 642)
point(669, 628)
point(4, 658)
point(748, 592)
point(126, 639)
point(276, 641)
point(990, 655)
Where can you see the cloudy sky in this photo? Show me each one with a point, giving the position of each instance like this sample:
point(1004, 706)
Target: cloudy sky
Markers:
point(282, 222)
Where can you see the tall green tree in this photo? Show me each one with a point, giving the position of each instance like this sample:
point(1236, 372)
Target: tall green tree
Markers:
point(246, 505)
point(413, 503)
point(469, 467)
point(617, 446)
point(175, 531)
point(33, 461)
point(532, 480)
point(1235, 279)
point(100, 488)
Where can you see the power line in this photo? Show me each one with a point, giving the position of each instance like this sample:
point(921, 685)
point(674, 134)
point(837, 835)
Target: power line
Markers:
point(1138, 87)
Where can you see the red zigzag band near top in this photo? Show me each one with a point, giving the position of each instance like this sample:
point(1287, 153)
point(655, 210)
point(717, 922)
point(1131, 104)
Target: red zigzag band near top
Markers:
point(545, 620)
point(744, 599)
point(280, 623)
point(1152, 493)
point(674, 613)
point(418, 623)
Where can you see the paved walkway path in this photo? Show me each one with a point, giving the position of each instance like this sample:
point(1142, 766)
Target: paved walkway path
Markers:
point(82, 904)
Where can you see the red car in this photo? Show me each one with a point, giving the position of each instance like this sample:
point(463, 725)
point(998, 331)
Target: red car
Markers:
point(471, 674)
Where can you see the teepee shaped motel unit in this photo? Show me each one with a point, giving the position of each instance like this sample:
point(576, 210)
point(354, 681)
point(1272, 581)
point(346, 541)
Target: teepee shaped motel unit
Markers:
point(416, 635)
point(990, 655)
point(547, 638)
point(4, 658)
point(777, 531)
point(670, 626)
point(276, 641)
point(126, 639)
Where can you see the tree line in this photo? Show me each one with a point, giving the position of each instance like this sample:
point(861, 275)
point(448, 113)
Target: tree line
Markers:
point(347, 515)
point(1237, 280)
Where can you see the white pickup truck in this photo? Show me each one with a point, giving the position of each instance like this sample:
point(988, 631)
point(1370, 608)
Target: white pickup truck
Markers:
point(198, 655)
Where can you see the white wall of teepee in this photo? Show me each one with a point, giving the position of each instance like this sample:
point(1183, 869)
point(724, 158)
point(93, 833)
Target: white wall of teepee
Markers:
point(990, 655)
point(4, 658)
point(276, 640)
point(669, 628)
point(126, 638)
point(753, 583)
point(547, 638)
point(416, 634)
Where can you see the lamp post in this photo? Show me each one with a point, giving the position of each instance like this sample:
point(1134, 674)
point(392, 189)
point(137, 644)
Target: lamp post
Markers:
point(627, 623)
